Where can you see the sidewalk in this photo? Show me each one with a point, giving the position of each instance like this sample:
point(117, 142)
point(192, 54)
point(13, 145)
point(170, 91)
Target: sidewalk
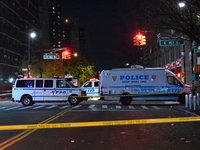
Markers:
point(5, 97)
point(188, 110)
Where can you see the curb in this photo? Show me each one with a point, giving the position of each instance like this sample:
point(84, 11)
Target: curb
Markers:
point(185, 110)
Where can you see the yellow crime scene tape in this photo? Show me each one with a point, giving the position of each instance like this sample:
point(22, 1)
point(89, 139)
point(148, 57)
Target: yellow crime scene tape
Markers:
point(99, 123)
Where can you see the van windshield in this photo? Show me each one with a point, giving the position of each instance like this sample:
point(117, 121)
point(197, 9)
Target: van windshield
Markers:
point(70, 84)
point(173, 81)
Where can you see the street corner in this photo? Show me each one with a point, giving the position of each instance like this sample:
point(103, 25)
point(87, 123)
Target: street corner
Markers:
point(4, 99)
point(189, 110)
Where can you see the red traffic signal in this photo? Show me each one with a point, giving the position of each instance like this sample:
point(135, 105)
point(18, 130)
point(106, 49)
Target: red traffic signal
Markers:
point(66, 54)
point(139, 39)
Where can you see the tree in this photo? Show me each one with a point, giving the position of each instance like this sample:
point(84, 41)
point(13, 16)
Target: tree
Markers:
point(166, 14)
point(81, 69)
point(41, 68)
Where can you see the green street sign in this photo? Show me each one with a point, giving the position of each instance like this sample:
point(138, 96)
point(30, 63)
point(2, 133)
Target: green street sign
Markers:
point(24, 69)
point(196, 50)
point(171, 42)
point(51, 57)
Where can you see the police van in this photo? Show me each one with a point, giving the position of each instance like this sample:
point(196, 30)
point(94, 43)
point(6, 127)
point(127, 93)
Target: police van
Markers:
point(92, 89)
point(31, 90)
point(138, 83)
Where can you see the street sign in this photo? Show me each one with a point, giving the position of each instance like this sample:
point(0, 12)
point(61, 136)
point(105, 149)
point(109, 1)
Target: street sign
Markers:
point(50, 56)
point(171, 42)
point(196, 50)
point(24, 69)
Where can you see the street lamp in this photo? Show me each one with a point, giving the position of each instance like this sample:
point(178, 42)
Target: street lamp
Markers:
point(32, 35)
point(181, 5)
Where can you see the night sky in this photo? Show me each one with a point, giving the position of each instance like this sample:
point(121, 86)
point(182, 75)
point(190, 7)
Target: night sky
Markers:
point(107, 29)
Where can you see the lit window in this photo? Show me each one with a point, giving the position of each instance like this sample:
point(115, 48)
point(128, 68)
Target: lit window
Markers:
point(67, 20)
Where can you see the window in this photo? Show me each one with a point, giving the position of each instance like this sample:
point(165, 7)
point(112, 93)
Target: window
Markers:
point(61, 84)
point(96, 84)
point(173, 81)
point(39, 83)
point(88, 84)
point(25, 83)
point(48, 83)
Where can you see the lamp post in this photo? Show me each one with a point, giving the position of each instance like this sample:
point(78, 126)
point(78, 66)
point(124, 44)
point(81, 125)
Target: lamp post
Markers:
point(31, 36)
point(181, 5)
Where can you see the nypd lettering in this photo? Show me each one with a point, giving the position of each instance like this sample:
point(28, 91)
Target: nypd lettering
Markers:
point(134, 78)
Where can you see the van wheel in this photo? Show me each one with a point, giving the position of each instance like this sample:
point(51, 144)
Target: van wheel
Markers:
point(27, 101)
point(126, 100)
point(181, 99)
point(74, 100)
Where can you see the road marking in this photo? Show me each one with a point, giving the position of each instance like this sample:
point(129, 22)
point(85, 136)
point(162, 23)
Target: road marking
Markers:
point(77, 106)
point(27, 132)
point(37, 107)
point(52, 106)
point(118, 107)
point(131, 107)
point(63, 107)
point(144, 107)
point(25, 107)
point(91, 106)
point(3, 107)
point(45, 125)
point(155, 107)
point(104, 106)
point(13, 108)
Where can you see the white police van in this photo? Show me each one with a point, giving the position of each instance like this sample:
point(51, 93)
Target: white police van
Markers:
point(92, 89)
point(138, 83)
point(31, 90)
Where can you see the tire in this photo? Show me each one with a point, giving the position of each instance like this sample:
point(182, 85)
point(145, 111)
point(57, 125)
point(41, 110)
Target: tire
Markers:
point(74, 100)
point(27, 101)
point(181, 99)
point(125, 100)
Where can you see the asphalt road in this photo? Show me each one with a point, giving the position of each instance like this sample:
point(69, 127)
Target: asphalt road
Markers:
point(156, 136)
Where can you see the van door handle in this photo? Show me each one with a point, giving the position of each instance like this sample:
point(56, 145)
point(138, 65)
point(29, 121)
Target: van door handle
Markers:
point(44, 89)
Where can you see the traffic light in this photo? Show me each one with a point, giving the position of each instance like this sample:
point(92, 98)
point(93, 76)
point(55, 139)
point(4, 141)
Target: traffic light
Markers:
point(66, 54)
point(139, 40)
point(143, 40)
